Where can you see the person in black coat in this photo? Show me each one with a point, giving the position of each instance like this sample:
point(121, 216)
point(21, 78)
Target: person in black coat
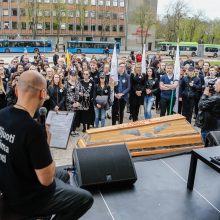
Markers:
point(11, 97)
point(189, 89)
point(3, 102)
point(55, 58)
point(136, 98)
point(56, 92)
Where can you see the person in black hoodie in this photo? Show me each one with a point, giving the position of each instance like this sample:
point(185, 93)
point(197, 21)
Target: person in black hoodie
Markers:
point(56, 92)
point(189, 89)
point(136, 98)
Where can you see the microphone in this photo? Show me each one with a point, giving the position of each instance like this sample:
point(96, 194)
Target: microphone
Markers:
point(42, 113)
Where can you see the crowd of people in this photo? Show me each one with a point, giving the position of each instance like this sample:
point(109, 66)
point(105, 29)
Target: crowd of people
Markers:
point(86, 87)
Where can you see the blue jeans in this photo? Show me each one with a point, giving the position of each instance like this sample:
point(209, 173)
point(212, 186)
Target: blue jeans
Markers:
point(148, 102)
point(97, 113)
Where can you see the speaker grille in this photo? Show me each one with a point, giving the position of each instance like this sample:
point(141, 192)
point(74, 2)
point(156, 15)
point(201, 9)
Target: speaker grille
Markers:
point(103, 165)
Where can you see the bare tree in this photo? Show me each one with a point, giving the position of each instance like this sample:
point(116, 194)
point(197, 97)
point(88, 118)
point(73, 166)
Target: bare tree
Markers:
point(175, 14)
point(59, 12)
point(145, 18)
point(81, 10)
point(32, 13)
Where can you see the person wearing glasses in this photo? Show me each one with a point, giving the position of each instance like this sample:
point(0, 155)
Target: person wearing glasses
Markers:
point(30, 183)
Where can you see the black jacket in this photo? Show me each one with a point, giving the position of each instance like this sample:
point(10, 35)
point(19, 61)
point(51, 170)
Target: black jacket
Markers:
point(99, 91)
point(138, 83)
point(188, 91)
point(57, 97)
point(210, 107)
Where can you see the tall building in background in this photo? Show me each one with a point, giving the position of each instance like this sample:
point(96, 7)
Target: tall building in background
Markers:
point(63, 20)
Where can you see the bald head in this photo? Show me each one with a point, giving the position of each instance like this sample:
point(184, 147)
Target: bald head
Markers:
point(30, 82)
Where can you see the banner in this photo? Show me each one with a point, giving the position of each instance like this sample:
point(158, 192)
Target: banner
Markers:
point(177, 77)
point(143, 61)
point(114, 66)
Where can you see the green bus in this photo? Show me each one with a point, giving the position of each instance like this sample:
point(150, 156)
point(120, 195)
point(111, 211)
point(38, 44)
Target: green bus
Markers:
point(186, 48)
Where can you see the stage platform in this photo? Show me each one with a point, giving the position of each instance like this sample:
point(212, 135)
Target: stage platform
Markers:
point(161, 193)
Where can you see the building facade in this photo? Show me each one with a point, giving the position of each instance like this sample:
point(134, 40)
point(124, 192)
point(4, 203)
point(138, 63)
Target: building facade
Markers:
point(64, 20)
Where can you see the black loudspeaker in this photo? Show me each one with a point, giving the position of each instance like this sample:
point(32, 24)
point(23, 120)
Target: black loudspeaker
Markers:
point(105, 165)
point(212, 139)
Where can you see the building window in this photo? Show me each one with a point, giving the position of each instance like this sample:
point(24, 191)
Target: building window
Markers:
point(114, 16)
point(47, 13)
point(93, 2)
point(14, 12)
point(63, 14)
point(47, 1)
point(86, 14)
point(23, 25)
point(115, 3)
point(108, 3)
point(63, 26)
point(92, 14)
point(86, 27)
point(5, 12)
point(105, 39)
point(70, 1)
point(40, 13)
point(5, 0)
point(86, 2)
point(77, 14)
point(121, 28)
point(114, 28)
point(39, 26)
point(93, 27)
point(122, 3)
point(55, 26)
point(100, 15)
point(54, 13)
point(101, 2)
point(71, 14)
point(70, 27)
point(107, 28)
point(78, 27)
point(108, 15)
point(14, 25)
point(6, 24)
point(121, 16)
point(100, 28)
point(47, 25)
point(22, 12)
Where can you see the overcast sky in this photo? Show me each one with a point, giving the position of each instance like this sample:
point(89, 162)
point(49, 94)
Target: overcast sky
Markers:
point(210, 7)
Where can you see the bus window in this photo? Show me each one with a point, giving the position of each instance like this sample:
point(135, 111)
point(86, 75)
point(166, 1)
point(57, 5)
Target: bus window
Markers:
point(211, 49)
point(47, 44)
point(163, 48)
point(39, 44)
point(20, 44)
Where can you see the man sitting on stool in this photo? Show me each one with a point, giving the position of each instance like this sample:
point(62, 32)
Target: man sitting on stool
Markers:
point(27, 170)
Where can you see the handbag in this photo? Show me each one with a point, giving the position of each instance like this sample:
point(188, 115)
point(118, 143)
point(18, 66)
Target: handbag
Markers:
point(102, 100)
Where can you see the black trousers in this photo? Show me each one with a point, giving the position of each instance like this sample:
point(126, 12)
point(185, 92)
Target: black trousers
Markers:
point(165, 106)
point(118, 110)
point(67, 203)
point(134, 110)
point(188, 105)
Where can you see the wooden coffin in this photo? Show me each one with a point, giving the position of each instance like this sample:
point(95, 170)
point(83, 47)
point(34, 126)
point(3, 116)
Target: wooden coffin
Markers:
point(152, 136)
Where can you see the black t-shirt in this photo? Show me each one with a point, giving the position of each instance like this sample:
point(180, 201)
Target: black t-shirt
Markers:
point(23, 148)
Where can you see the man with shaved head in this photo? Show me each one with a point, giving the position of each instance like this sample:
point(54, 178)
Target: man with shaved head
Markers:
point(27, 170)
